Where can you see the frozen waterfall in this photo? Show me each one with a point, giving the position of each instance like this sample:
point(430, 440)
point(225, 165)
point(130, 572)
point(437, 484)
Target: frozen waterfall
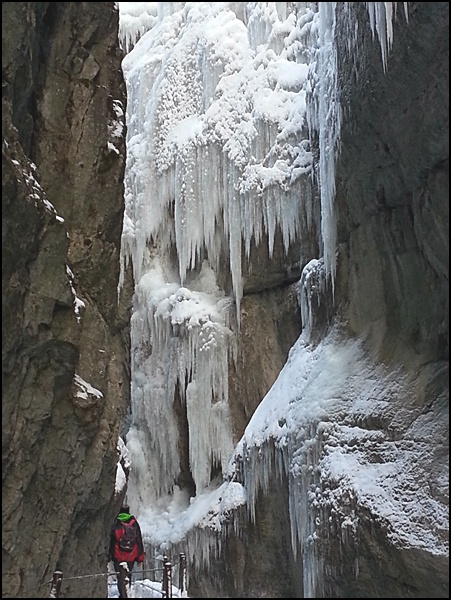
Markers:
point(225, 101)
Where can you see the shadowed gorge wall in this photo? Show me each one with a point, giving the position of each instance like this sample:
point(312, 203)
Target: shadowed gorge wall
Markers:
point(64, 336)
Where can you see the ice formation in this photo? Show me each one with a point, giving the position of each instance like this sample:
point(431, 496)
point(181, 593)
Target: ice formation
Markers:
point(224, 101)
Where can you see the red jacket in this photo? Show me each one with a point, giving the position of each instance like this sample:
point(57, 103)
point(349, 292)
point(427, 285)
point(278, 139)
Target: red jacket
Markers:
point(115, 553)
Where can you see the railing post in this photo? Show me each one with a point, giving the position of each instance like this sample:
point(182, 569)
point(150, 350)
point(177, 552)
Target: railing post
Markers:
point(182, 575)
point(123, 579)
point(164, 583)
point(56, 584)
point(167, 578)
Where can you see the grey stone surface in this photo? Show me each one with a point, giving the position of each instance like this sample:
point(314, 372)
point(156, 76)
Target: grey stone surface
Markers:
point(62, 206)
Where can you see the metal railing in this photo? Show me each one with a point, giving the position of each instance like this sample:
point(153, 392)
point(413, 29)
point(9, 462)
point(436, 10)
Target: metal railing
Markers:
point(124, 579)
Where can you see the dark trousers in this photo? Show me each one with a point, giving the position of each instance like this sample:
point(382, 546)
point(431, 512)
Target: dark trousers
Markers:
point(124, 579)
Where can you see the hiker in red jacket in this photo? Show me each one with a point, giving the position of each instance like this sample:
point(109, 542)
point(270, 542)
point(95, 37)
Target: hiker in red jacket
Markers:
point(126, 546)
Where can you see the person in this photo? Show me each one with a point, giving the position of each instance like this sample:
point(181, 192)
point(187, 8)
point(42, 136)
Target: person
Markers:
point(120, 552)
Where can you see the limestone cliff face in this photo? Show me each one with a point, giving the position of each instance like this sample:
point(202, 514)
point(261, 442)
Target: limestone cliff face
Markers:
point(393, 184)
point(393, 208)
point(64, 335)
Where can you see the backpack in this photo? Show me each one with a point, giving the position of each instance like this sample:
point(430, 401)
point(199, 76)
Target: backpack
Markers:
point(128, 538)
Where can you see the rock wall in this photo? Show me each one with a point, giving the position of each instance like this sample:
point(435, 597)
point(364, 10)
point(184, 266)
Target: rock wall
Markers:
point(392, 202)
point(393, 185)
point(64, 334)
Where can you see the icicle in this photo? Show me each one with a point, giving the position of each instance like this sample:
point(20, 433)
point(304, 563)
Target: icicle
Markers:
point(311, 289)
point(134, 21)
point(325, 118)
point(381, 15)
